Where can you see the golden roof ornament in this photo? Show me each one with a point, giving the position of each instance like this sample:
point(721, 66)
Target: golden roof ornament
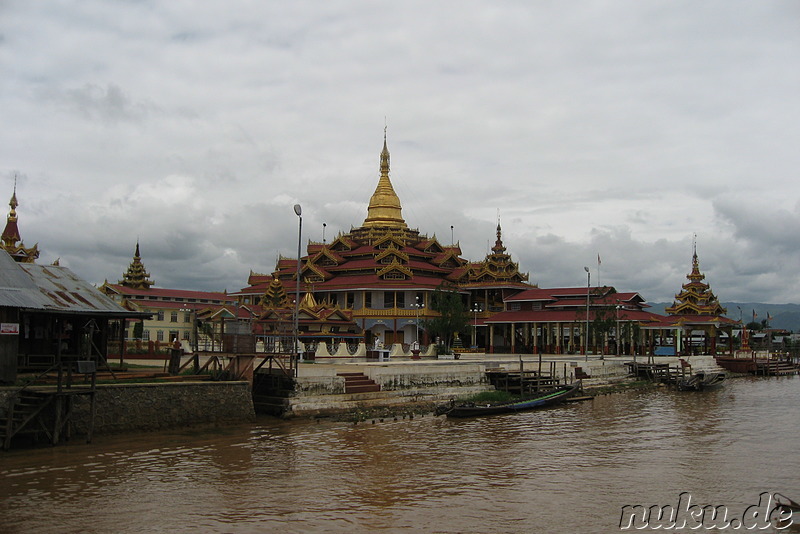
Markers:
point(384, 208)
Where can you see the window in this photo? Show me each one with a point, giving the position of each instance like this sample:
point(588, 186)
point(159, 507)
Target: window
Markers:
point(160, 335)
point(160, 316)
point(185, 336)
point(146, 335)
point(173, 335)
point(513, 306)
point(401, 299)
point(350, 299)
point(388, 299)
point(368, 299)
point(187, 317)
point(173, 317)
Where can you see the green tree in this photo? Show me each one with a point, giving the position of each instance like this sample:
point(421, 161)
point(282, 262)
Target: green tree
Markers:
point(604, 321)
point(453, 316)
point(138, 330)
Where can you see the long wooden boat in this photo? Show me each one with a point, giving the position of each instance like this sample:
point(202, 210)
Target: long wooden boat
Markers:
point(701, 380)
point(737, 364)
point(546, 398)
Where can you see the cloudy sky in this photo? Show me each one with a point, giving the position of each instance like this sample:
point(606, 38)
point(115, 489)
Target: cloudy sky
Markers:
point(613, 128)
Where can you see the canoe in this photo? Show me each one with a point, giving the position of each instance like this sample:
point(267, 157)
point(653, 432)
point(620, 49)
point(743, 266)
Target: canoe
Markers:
point(701, 380)
point(542, 400)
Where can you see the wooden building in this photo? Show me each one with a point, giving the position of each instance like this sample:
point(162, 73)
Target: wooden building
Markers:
point(49, 316)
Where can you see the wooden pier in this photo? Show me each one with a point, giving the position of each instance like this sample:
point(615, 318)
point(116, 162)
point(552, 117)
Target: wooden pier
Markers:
point(36, 411)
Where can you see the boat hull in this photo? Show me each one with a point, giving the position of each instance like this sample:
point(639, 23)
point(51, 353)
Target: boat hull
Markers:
point(550, 398)
point(736, 365)
point(700, 381)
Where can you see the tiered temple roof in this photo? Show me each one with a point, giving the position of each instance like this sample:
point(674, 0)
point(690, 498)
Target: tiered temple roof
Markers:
point(696, 297)
point(11, 240)
point(136, 276)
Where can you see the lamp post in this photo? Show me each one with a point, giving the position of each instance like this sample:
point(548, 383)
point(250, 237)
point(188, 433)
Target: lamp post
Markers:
point(299, 212)
point(475, 309)
point(418, 305)
point(618, 336)
point(588, 288)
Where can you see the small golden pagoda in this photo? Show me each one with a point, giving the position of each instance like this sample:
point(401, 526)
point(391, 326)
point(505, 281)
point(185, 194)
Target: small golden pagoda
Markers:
point(136, 276)
point(696, 297)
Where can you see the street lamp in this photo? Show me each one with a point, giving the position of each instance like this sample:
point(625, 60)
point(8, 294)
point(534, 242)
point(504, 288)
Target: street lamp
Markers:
point(418, 305)
point(476, 307)
point(618, 336)
point(299, 212)
point(588, 287)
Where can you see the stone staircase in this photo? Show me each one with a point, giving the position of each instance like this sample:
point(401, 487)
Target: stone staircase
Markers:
point(776, 368)
point(358, 383)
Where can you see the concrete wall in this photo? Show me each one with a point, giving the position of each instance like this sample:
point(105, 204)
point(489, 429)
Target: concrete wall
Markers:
point(144, 407)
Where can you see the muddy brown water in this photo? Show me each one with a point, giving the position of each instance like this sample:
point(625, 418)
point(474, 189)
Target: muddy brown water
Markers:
point(566, 469)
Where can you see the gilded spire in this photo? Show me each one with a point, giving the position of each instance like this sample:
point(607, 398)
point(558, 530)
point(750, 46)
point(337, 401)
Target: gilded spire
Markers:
point(384, 206)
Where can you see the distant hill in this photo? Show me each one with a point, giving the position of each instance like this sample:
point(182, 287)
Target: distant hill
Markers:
point(784, 316)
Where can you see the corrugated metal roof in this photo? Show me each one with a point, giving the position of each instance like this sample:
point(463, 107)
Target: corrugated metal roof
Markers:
point(52, 288)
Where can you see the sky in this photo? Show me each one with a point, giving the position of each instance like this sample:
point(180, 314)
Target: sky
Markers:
point(617, 130)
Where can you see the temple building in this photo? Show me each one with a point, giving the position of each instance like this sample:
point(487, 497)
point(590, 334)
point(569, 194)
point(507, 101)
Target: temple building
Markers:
point(174, 312)
point(696, 310)
point(11, 240)
point(555, 321)
point(383, 273)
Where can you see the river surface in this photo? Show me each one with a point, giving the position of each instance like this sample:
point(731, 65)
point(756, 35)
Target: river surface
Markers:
point(566, 469)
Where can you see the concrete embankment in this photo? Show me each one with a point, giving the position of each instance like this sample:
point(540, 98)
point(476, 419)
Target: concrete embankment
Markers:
point(417, 386)
point(159, 406)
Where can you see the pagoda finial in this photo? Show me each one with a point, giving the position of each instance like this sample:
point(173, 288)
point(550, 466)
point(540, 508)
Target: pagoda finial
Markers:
point(498, 247)
point(384, 206)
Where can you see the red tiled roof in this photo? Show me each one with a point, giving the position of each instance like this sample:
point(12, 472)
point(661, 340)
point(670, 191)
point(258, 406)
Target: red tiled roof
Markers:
point(565, 316)
point(170, 293)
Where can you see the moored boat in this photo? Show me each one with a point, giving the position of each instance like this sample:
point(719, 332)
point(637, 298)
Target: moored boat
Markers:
point(737, 364)
point(544, 399)
point(701, 380)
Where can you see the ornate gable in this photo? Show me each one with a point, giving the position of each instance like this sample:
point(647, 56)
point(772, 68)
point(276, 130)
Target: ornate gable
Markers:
point(342, 243)
point(389, 241)
point(391, 255)
point(327, 258)
point(395, 271)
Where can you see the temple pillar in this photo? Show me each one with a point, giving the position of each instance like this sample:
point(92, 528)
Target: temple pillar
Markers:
point(558, 338)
